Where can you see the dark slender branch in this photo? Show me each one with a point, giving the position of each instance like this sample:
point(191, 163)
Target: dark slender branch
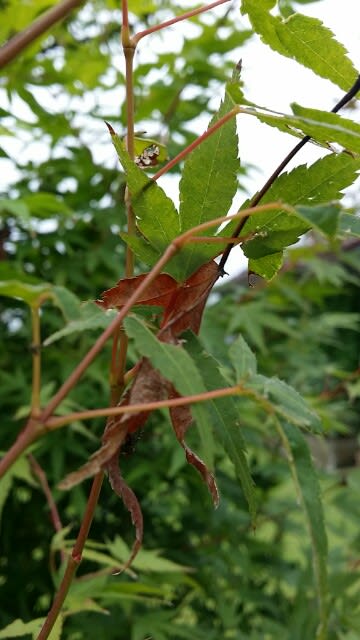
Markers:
point(75, 558)
point(260, 194)
point(54, 513)
point(18, 43)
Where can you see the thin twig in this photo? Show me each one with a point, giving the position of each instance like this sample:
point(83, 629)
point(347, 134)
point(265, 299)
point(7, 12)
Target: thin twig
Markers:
point(56, 423)
point(18, 43)
point(36, 360)
point(184, 16)
point(219, 123)
point(260, 194)
point(54, 513)
point(40, 474)
point(74, 559)
point(34, 429)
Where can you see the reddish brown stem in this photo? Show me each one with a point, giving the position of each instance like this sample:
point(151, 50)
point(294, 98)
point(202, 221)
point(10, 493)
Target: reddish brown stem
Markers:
point(33, 430)
point(40, 474)
point(18, 43)
point(26, 437)
point(125, 14)
point(199, 140)
point(54, 513)
point(184, 16)
point(36, 361)
point(74, 559)
point(56, 423)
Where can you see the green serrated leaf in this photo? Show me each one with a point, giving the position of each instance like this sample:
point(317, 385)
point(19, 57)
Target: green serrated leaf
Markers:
point(175, 364)
point(31, 294)
point(68, 302)
point(142, 248)
point(308, 490)
point(224, 413)
point(156, 215)
point(20, 470)
point(304, 39)
point(5, 488)
point(44, 205)
point(242, 359)
point(208, 185)
point(349, 225)
point(91, 317)
point(321, 126)
point(324, 180)
point(16, 208)
point(18, 628)
point(328, 127)
point(324, 218)
point(266, 267)
point(287, 402)
point(145, 560)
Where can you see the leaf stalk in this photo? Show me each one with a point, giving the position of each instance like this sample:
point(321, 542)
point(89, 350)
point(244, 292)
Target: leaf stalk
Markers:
point(74, 560)
point(183, 16)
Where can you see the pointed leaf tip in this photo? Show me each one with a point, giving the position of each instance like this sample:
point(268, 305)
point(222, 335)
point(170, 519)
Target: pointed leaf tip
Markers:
point(131, 503)
point(111, 130)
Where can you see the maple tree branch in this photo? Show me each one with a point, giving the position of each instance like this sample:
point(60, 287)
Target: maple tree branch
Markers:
point(21, 40)
point(74, 560)
point(180, 156)
point(187, 236)
point(34, 429)
point(40, 474)
point(260, 194)
point(119, 347)
point(57, 422)
point(54, 513)
point(118, 364)
point(36, 361)
point(183, 16)
point(31, 432)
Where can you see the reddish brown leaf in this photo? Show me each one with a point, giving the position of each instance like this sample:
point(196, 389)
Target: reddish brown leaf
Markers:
point(184, 310)
point(158, 293)
point(97, 461)
point(184, 304)
point(131, 503)
point(148, 386)
point(181, 419)
point(208, 477)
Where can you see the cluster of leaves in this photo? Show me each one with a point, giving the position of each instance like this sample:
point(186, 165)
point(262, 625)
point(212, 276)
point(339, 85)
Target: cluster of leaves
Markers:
point(266, 583)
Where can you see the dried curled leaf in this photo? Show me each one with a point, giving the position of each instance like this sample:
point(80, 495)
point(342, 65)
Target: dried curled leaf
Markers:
point(183, 307)
point(148, 386)
point(181, 419)
point(131, 503)
point(158, 293)
point(186, 306)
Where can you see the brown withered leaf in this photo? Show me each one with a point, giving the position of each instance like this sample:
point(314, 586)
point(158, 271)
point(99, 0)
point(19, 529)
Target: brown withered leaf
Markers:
point(185, 308)
point(183, 305)
point(181, 420)
point(131, 503)
point(97, 461)
point(158, 293)
point(148, 386)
